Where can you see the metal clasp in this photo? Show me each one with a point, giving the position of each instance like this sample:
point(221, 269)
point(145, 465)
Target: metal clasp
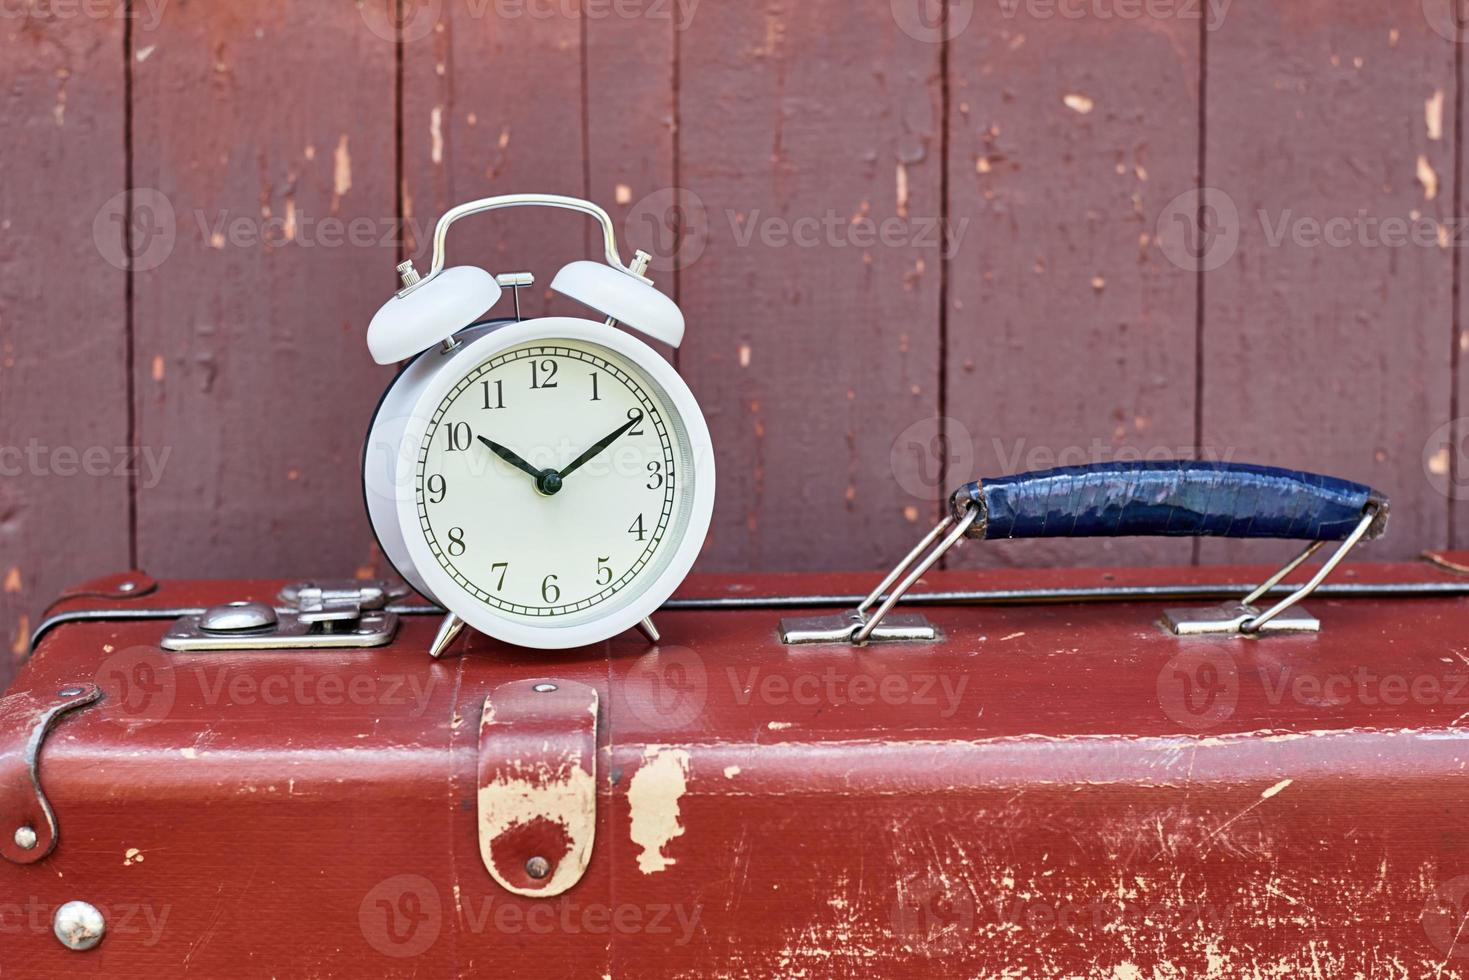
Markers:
point(312, 616)
point(1243, 618)
point(856, 626)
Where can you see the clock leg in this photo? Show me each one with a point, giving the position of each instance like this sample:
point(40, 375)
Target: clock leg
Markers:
point(647, 628)
point(448, 630)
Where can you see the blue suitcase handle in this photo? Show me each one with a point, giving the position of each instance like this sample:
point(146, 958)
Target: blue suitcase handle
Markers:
point(1170, 499)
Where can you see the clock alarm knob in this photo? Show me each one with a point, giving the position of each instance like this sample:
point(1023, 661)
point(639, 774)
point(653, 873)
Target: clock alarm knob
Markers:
point(618, 294)
point(429, 311)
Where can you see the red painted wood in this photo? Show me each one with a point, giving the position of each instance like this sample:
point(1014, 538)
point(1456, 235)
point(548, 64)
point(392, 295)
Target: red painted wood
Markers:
point(798, 126)
point(632, 106)
point(1071, 334)
point(251, 367)
point(63, 312)
point(1041, 791)
point(493, 105)
point(1327, 357)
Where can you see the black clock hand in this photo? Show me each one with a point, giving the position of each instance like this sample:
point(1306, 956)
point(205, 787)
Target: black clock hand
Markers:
point(577, 463)
point(510, 457)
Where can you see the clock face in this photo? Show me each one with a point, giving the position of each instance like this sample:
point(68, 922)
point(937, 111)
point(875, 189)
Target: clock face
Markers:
point(554, 482)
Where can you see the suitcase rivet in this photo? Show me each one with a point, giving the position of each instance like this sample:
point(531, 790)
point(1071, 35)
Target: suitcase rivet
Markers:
point(78, 925)
point(544, 688)
point(538, 867)
point(25, 838)
point(126, 586)
point(238, 617)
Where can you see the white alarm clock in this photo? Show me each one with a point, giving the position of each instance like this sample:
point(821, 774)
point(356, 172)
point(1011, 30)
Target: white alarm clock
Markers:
point(548, 481)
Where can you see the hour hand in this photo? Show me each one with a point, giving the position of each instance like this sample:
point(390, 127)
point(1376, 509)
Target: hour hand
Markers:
point(509, 456)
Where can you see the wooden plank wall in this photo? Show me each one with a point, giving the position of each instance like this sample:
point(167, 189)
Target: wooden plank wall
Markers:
point(916, 241)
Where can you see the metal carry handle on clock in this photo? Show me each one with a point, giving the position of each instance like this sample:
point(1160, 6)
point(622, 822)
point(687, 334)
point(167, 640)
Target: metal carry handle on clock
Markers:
point(1165, 499)
point(430, 309)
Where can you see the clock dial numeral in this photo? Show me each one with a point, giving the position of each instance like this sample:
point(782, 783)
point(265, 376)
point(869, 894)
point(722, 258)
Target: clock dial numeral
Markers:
point(498, 401)
point(543, 374)
point(613, 441)
point(459, 436)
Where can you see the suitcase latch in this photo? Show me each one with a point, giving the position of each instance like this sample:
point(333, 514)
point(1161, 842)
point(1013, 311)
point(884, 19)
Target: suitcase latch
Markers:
point(308, 616)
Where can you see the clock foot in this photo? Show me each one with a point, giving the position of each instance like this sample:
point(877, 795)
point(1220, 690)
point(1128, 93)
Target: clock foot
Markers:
point(448, 630)
point(647, 628)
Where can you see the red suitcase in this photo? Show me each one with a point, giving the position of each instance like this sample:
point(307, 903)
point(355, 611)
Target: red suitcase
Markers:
point(1057, 786)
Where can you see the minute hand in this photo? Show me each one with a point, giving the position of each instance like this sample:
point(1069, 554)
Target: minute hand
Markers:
point(581, 460)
